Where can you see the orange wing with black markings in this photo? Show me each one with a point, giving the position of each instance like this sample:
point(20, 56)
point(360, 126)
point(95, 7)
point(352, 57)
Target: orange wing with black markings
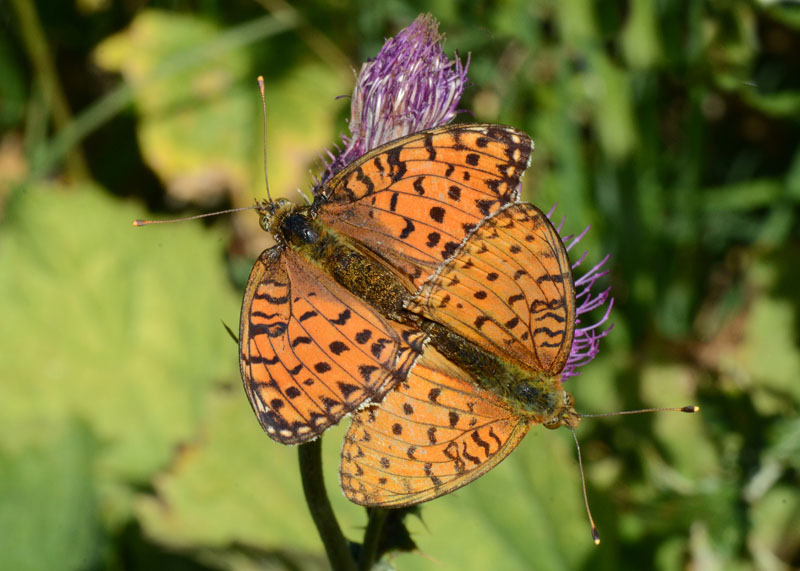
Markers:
point(509, 289)
point(434, 433)
point(414, 200)
point(312, 352)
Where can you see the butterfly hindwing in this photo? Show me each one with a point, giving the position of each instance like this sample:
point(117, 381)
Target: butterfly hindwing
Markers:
point(432, 434)
point(509, 289)
point(312, 352)
point(413, 201)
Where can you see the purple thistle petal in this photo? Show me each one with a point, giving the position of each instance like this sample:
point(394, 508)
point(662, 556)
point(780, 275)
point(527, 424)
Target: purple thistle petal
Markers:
point(586, 343)
point(410, 86)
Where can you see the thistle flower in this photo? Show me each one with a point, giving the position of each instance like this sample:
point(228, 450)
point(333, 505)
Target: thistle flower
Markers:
point(411, 85)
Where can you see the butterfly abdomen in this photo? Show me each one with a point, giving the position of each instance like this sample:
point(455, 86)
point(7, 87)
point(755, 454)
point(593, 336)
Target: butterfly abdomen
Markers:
point(537, 396)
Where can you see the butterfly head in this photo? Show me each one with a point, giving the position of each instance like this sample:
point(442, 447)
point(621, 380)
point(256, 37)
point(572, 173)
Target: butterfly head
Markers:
point(271, 212)
point(566, 415)
point(542, 399)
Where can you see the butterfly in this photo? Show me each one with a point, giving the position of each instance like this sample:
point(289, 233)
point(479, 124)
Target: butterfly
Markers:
point(324, 328)
point(508, 292)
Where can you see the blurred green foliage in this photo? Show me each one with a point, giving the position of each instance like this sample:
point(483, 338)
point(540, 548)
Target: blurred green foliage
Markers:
point(671, 127)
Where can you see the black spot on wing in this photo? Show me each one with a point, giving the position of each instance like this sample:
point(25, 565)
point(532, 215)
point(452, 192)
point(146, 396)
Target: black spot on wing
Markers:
point(449, 249)
point(476, 437)
point(271, 330)
point(419, 187)
point(322, 367)
point(337, 347)
point(409, 228)
point(485, 206)
point(347, 389)
point(301, 340)
point(433, 239)
point(397, 167)
point(343, 318)
point(432, 438)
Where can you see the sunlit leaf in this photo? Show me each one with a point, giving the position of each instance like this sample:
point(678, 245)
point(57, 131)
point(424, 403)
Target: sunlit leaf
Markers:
point(113, 325)
point(48, 511)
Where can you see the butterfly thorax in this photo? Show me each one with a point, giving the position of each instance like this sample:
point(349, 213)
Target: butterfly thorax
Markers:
point(338, 256)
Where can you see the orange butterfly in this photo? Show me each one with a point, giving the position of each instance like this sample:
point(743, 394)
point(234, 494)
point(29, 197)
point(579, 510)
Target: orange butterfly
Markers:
point(508, 291)
point(323, 329)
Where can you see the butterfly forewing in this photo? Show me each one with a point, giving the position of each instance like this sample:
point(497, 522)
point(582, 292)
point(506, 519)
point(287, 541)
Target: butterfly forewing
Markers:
point(434, 433)
point(311, 352)
point(509, 289)
point(413, 201)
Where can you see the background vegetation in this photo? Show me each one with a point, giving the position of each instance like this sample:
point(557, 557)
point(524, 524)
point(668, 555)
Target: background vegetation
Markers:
point(671, 127)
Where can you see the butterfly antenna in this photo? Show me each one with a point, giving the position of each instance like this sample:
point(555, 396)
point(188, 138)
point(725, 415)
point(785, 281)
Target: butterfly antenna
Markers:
point(264, 109)
point(266, 180)
point(195, 217)
point(595, 533)
point(690, 409)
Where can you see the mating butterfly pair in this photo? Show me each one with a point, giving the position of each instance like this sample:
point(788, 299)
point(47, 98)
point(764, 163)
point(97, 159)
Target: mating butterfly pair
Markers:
point(419, 294)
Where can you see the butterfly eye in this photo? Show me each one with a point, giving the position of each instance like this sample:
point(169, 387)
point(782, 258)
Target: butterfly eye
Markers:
point(265, 221)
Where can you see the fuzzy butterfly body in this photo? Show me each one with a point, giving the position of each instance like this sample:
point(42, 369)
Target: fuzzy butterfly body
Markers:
point(323, 329)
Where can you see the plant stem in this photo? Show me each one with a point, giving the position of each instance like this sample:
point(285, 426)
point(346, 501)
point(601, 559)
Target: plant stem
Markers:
point(336, 546)
point(372, 537)
point(42, 60)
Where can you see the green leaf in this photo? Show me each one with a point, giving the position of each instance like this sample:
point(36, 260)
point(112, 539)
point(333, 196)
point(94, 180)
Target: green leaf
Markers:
point(527, 512)
point(48, 517)
point(200, 127)
point(231, 484)
point(110, 324)
point(195, 121)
